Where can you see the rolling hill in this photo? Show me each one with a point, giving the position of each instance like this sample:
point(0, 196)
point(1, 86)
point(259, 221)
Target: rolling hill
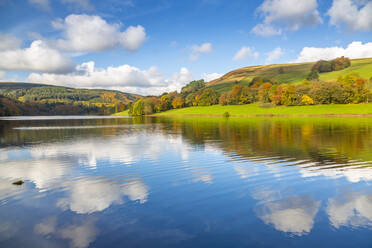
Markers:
point(28, 98)
point(286, 73)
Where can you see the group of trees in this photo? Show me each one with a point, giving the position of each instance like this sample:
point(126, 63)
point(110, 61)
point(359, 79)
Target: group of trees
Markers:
point(347, 89)
point(350, 88)
point(193, 94)
point(321, 66)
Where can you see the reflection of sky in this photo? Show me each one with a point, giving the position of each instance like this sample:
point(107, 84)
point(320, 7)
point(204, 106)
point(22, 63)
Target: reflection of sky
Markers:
point(293, 215)
point(91, 177)
point(296, 214)
point(350, 209)
point(88, 196)
point(79, 171)
point(79, 235)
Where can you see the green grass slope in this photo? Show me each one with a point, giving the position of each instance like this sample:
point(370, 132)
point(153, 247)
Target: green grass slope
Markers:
point(124, 113)
point(256, 110)
point(361, 66)
point(286, 73)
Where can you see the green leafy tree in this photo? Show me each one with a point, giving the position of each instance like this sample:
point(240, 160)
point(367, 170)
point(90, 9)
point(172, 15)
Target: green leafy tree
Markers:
point(137, 109)
point(264, 92)
point(207, 97)
point(193, 87)
point(313, 75)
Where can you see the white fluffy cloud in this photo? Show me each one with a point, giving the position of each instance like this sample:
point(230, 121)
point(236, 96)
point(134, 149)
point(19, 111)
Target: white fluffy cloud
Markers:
point(274, 54)
point(85, 33)
point(174, 83)
point(9, 42)
point(353, 50)
point(178, 80)
point(133, 38)
point(211, 76)
point(87, 75)
point(199, 49)
point(38, 57)
point(125, 78)
point(287, 13)
point(246, 52)
point(355, 15)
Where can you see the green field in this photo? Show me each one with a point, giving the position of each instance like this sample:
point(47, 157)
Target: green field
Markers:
point(361, 66)
point(256, 110)
point(286, 73)
point(124, 113)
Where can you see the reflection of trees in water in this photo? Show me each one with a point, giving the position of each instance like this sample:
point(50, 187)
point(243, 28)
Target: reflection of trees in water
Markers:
point(318, 139)
point(321, 140)
point(60, 132)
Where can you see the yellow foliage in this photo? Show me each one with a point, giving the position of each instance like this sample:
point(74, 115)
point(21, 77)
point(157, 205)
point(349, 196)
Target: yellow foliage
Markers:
point(307, 100)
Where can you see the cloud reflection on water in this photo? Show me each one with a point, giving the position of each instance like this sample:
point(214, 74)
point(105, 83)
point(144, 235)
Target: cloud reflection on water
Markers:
point(88, 195)
point(353, 209)
point(293, 215)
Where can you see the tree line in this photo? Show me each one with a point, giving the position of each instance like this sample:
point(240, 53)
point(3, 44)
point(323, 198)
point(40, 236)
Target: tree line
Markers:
point(350, 88)
point(37, 99)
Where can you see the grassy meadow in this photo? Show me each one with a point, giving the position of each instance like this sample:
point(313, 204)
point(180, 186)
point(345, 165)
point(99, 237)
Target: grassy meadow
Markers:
point(256, 110)
point(124, 113)
point(287, 73)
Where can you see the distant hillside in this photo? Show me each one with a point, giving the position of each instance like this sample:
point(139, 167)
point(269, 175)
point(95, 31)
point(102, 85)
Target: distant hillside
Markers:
point(11, 107)
point(286, 73)
point(108, 101)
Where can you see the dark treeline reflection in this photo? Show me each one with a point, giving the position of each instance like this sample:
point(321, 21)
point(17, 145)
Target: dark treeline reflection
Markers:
point(316, 139)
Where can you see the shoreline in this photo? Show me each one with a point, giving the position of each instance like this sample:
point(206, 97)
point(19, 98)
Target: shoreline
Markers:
point(254, 110)
point(266, 115)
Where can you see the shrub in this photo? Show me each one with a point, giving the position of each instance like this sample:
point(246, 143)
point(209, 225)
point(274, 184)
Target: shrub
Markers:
point(223, 99)
point(313, 75)
point(307, 100)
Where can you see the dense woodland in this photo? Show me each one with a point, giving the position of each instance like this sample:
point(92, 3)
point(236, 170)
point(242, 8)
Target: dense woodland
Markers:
point(350, 88)
point(38, 99)
point(10, 107)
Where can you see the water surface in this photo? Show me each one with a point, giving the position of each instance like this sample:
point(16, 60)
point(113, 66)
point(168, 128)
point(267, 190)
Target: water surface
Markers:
point(192, 182)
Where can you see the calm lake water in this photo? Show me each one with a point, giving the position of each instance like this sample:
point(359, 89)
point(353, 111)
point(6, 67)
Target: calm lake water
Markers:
point(192, 182)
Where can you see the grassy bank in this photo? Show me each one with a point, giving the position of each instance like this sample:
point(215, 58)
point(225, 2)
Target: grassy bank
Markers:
point(256, 110)
point(124, 113)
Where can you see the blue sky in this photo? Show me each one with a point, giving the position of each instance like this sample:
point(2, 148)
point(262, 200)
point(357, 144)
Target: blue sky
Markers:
point(151, 46)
